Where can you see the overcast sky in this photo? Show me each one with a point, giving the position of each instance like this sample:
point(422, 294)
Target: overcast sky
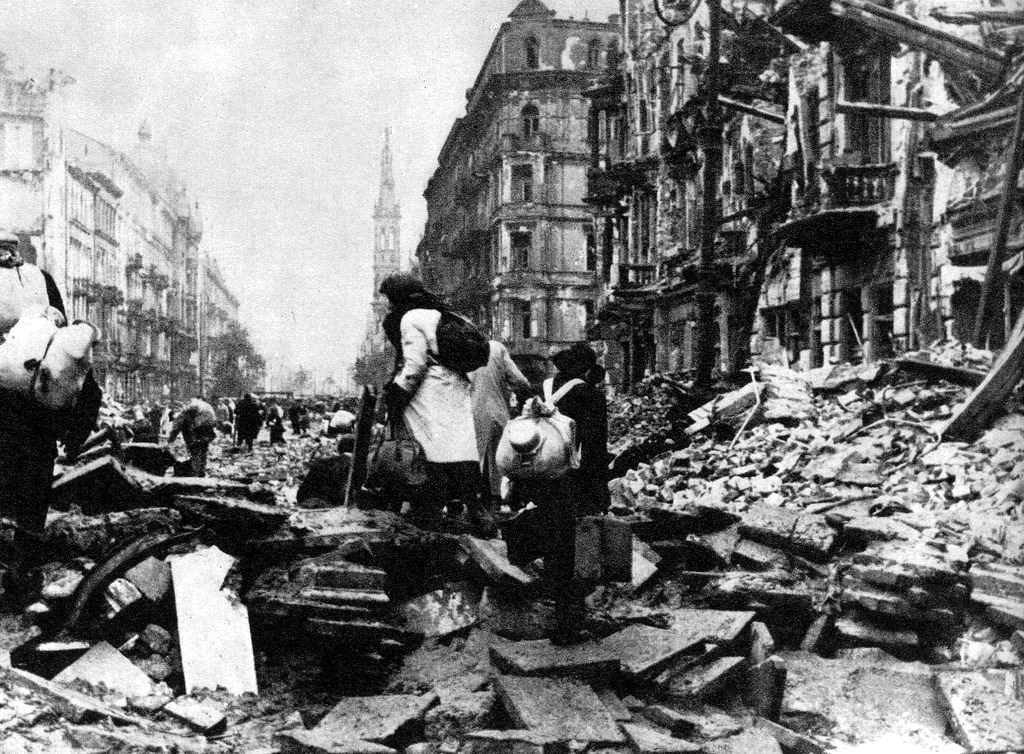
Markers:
point(274, 112)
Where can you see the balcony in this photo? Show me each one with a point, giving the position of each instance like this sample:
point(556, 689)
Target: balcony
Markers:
point(535, 142)
point(635, 275)
point(860, 185)
point(857, 203)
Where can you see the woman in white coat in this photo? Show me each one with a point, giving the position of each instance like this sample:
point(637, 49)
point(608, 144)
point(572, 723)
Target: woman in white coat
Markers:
point(434, 401)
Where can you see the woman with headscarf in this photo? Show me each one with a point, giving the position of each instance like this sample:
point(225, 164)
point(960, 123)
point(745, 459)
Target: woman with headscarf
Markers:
point(581, 492)
point(434, 402)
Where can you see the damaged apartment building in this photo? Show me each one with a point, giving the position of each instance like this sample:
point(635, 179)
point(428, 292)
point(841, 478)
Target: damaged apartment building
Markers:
point(862, 157)
point(509, 238)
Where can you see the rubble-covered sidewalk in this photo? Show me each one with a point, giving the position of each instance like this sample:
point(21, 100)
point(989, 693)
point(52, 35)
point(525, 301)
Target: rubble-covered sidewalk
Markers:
point(812, 569)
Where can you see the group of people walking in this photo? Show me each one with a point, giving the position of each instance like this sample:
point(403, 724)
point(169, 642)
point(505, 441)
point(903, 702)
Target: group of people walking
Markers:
point(458, 419)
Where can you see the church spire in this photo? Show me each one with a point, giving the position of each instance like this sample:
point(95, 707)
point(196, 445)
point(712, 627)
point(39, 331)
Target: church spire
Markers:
point(387, 203)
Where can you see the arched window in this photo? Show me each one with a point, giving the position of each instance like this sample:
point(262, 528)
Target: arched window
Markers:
point(531, 53)
point(531, 120)
point(594, 54)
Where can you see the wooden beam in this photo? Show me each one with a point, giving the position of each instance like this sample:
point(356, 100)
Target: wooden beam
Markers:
point(1014, 162)
point(743, 107)
point(887, 111)
point(913, 33)
point(978, 15)
point(989, 399)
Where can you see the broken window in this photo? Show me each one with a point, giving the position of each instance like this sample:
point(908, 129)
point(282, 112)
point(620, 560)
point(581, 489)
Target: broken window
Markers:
point(521, 240)
point(522, 319)
point(594, 54)
point(531, 53)
point(531, 120)
point(522, 183)
point(867, 80)
point(588, 230)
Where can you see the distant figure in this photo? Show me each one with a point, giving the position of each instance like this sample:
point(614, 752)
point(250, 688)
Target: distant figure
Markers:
point(493, 386)
point(248, 418)
point(275, 423)
point(197, 424)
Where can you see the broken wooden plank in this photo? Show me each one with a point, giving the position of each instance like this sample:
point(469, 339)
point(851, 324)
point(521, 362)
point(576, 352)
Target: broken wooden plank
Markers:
point(213, 626)
point(892, 112)
point(935, 371)
point(989, 399)
point(559, 707)
point(743, 107)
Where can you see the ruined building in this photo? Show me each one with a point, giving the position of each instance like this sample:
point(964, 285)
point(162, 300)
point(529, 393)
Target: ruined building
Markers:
point(509, 239)
point(646, 182)
point(120, 235)
point(863, 150)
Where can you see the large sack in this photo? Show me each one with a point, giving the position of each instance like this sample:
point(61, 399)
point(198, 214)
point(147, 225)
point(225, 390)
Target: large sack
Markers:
point(541, 444)
point(46, 362)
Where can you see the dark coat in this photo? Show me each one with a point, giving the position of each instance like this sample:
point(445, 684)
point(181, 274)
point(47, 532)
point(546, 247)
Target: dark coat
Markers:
point(586, 405)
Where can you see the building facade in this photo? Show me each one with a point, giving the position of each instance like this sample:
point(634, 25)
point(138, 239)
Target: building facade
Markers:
point(509, 239)
point(855, 195)
point(121, 237)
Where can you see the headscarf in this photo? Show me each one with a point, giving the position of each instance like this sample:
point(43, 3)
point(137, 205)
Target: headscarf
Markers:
point(10, 254)
point(576, 361)
point(405, 293)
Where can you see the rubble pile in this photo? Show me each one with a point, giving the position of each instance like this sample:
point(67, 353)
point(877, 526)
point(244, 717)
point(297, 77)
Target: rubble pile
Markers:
point(805, 568)
point(649, 418)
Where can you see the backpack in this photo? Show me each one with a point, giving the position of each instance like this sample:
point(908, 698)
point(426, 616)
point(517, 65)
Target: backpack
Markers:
point(541, 444)
point(460, 346)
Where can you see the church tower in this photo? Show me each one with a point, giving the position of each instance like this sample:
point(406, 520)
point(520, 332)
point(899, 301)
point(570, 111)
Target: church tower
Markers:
point(376, 357)
point(387, 220)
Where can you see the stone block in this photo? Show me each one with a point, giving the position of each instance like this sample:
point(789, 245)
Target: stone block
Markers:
point(541, 657)
point(647, 740)
point(202, 716)
point(644, 650)
point(561, 708)
point(375, 718)
point(984, 715)
point(705, 681)
point(320, 742)
point(152, 577)
point(104, 666)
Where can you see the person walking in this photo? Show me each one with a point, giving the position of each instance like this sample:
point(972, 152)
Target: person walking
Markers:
point(493, 386)
point(197, 425)
point(248, 418)
point(29, 432)
point(581, 492)
point(275, 423)
point(434, 402)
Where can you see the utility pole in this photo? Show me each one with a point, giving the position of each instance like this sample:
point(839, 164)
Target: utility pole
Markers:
point(711, 144)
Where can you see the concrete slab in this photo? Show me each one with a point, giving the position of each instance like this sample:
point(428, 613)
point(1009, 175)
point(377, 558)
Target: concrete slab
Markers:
point(213, 626)
point(706, 681)
point(562, 708)
point(541, 657)
point(104, 665)
point(984, 716)
point(320, 742)
point(203, 716)
point(375, 718)
point(152, 577)
point(646, 740)
point(644, 650)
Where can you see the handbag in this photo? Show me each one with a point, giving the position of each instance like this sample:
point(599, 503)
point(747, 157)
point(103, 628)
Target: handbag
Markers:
point(397, 459)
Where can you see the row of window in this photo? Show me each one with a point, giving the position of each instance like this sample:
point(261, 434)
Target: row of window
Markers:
point(531, 53)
